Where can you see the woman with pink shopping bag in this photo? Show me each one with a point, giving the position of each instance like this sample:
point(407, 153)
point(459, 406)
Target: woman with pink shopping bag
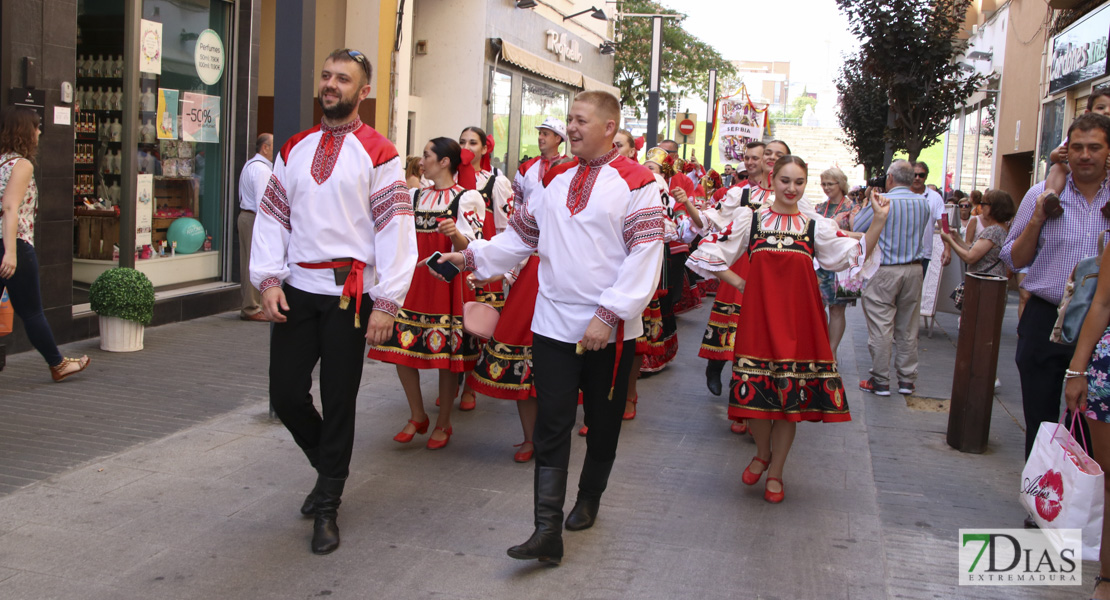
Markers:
point(1087, 389)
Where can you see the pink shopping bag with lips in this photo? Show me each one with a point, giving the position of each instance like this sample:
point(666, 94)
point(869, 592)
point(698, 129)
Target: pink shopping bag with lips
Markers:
point(1062, 487)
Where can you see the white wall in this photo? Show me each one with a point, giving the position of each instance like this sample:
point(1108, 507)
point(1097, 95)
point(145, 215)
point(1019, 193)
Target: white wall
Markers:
point(453, 72)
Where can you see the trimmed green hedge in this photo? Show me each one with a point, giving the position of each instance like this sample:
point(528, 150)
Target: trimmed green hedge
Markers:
point(123, 293)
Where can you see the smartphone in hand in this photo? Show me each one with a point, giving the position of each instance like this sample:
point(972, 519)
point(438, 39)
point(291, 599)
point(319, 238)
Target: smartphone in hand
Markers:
point(944, 224)
point(447, 270)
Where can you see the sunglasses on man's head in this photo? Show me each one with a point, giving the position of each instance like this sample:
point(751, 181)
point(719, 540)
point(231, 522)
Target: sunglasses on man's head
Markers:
point(363, 62)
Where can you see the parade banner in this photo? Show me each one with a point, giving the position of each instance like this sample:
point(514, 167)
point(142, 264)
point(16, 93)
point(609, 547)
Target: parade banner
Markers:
point(738, 121)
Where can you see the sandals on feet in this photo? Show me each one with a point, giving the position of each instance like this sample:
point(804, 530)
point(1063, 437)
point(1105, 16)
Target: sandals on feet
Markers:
point(69, 366)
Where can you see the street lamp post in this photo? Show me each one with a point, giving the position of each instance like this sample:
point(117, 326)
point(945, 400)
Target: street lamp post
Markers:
point(710, 121)
point(653, 85)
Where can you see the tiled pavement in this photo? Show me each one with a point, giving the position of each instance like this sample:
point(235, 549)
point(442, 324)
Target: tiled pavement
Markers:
point(107, 501)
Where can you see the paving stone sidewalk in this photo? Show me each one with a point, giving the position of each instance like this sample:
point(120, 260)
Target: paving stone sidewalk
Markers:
point(159, 475)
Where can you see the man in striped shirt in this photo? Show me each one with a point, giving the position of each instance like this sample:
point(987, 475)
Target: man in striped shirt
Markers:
point(892, 299)
point(1051, 246)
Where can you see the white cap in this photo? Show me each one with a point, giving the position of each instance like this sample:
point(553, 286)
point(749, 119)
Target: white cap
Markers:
point(555, 125)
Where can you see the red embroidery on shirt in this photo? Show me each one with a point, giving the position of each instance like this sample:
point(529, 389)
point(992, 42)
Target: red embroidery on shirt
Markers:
point(327, 150)
point(582, 185)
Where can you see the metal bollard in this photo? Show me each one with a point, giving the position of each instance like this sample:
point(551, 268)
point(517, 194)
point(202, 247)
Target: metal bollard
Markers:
point(969, 415)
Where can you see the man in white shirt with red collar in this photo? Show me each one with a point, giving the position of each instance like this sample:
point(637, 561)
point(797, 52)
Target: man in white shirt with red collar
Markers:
point(333, 252)
point(550, 135)
point(598, 228)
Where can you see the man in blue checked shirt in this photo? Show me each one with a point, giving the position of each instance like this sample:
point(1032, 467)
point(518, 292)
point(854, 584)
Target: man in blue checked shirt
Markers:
point(892, 298)
point(1050, 240)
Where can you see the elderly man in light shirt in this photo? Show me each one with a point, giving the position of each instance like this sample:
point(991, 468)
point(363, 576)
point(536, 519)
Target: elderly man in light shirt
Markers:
point(252, 183)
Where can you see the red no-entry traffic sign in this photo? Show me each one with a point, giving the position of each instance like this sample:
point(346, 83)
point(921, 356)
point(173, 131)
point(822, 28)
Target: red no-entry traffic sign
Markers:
point(686, 127)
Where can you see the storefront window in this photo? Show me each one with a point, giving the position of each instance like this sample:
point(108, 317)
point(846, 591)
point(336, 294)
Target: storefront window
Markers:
point(1052, 133)
point(499, 107)
point(181, 128)
point(984, 156)
point(967, 160)
point(538, 102)
point(183, 140)
point(98, 100)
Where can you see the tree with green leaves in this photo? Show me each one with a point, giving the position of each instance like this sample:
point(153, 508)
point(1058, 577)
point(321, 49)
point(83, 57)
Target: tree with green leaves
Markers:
point(862, 114)
point(684, 70)
point(910, 48)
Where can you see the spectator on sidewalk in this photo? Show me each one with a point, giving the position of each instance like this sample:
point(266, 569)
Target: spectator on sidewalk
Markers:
point(936, 210)
point(892, 299)
point(982, 254)
point(252, 184)
point(19, 266)
point(1050, 247)
point(333, 255)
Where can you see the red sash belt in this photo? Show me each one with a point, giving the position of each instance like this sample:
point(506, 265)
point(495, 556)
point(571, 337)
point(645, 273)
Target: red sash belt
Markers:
point(617, 359)
point(352, 287)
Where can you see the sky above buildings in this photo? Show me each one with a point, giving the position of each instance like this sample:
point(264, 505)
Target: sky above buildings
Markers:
point(811, 34)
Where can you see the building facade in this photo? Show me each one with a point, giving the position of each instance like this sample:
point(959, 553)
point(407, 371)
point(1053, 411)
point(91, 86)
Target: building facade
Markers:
point(147, 110)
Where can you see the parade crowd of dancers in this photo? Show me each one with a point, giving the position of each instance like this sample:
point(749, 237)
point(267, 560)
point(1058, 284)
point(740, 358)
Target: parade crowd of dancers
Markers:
point(587, 254)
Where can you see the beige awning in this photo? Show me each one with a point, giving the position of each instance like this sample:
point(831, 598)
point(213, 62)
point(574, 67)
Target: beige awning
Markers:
point(540, 66)
point(593, 84)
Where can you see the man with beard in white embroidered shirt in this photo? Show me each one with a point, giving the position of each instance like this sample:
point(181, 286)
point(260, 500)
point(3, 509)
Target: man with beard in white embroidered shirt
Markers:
point(333, 252)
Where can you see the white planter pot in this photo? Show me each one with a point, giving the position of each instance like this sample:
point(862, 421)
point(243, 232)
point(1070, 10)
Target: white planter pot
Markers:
point(120, 335)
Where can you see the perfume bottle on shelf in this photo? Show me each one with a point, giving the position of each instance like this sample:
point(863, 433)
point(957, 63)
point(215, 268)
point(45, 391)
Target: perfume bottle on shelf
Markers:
point(106, 164)
point(117, 71)
point(148, 102)
point(115, 133)
point(98, 66)
point(117, 99)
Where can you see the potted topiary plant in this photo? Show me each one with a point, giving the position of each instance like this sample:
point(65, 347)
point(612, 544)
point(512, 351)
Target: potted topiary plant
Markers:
point(124, 299)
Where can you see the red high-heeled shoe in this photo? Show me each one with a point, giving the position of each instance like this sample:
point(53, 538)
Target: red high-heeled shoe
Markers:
point(421, 428)
point(434, 444)
point(468, 404)
point(750, 478)
point(523, 456)
point(774, 497)
point(628, 416)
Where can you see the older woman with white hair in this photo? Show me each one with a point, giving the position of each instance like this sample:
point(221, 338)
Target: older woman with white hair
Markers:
point(838, 207)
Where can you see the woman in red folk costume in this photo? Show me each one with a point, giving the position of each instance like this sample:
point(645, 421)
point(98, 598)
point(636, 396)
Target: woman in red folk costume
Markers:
point(497, 193)
point(428, 333)
point(505, 368)
point(682, 294)
point(784, 371)
point(714, 191)
point(720, 330)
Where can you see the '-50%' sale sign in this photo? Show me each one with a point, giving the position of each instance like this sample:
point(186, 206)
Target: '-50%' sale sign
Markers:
point(200, 118)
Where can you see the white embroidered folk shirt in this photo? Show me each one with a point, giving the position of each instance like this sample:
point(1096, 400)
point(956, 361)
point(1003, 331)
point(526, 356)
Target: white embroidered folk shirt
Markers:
point(501, 201)
point(834, 250)
point(336, 193)
point(598, 229)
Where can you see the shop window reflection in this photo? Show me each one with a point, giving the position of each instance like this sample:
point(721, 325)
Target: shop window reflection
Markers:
point(1052, 134)
point(500, 97)
point(538, 102)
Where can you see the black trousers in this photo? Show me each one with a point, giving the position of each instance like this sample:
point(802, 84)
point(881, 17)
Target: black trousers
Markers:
point(1041, 365)
point(318, 331)
point(559, 373)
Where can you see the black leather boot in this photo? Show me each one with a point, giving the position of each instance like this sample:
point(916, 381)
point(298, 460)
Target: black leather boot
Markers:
point(546, 543)
point(325, 532)
point(713, 376)
point(592, 483)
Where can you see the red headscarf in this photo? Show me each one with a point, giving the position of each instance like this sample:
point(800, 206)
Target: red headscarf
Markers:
point(486, 166)
point(465, 175)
